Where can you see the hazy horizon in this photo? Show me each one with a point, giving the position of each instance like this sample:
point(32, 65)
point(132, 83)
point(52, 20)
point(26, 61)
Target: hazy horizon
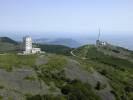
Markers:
point(120, 39)
point(76, 19)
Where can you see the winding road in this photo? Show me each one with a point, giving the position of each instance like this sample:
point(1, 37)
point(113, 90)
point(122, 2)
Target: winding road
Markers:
point(83, 58)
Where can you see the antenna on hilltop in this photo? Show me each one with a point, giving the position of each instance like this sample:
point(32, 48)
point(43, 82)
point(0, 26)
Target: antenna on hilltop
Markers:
point(98, 42)
point(99, 34)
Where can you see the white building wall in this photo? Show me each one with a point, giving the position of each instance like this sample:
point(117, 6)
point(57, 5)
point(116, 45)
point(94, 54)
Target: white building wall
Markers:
point(27, 44)
point(28, 49)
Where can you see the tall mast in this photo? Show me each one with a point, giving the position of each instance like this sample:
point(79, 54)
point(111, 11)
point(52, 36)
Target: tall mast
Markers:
point(99, 34)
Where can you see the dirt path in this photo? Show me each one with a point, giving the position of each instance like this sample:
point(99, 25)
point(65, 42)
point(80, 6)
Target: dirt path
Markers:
point(72, 53)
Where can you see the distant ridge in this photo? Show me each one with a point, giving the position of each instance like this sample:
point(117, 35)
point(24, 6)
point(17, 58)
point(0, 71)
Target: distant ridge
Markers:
point(8, 40)
point(59, 41)
point(8, 45)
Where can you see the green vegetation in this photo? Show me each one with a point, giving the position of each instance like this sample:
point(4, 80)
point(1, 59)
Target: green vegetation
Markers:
point(108, 61)
point(30, 78)
point(1, 97)
point(95, 55)
point(7, 40)
point(53, 70)
point(1, 87)
point(57, 49)
point(74, 90)
point(46, 97)
point(77, 90)
point(8, 61)
point(8, 45)
point(118, 71)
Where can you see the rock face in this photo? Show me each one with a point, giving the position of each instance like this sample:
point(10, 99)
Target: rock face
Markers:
point(16, 83)
point(75, 71)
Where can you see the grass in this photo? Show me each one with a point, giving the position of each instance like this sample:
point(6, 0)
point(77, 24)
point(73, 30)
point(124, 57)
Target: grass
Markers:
point(1, 97)
point(45, 97)
point(53, 70)
point(74, 90)
point(118, 79)
point(30, 78)
point(56, 49)
point(9, 61)
point(77, 90)
point(2, 87)
point(118, 71)
point(95, 55)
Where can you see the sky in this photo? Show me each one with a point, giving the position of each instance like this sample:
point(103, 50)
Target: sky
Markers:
point(72, 16)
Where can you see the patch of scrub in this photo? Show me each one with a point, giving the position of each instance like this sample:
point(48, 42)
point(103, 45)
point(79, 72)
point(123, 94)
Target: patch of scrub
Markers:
point(75, 71)
point(14, 82)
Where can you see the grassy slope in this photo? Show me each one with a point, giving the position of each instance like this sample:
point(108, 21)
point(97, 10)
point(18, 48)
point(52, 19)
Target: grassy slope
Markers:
point(9, 61)
point(58, 49)
point(117, 70)
point(52, 74)
point(7, 40)
point(8, 45)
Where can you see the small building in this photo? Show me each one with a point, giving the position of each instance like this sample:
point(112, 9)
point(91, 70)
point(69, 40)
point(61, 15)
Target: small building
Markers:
point(27, 46)
point(36, 50)
point(101, 43)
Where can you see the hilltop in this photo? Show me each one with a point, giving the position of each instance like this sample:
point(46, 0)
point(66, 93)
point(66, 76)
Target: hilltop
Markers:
point(94, 73)
point(114, 62)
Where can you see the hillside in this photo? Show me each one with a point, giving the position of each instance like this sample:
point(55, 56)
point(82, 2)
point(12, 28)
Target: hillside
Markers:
point(7, 40)
point(8, 45)
point(115, 63)
point(57, 49)
point(90, 73)
point(36, 77)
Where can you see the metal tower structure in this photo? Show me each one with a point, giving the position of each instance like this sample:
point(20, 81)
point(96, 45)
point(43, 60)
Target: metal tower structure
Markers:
point(99, 34)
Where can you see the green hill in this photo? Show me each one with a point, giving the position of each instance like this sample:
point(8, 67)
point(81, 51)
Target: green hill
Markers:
point(115, 63)
point(62, 73)
point(57, 49)
point(7, 40)
point(8, 45)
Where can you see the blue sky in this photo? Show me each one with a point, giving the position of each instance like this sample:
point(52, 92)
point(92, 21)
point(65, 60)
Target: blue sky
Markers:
point(74, 16)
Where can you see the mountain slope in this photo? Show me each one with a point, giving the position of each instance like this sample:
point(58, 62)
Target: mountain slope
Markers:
point(8, 45)
point(115, 63)
point(105, 73)
point(58, 49)
point(7, 40)
point(94, 52)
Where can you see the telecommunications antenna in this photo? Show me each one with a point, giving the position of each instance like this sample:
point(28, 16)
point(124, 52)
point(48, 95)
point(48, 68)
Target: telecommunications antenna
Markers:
point(99, 34)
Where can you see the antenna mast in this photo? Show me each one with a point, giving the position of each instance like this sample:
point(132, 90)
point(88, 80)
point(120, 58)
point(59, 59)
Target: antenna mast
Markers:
point(99, 34)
